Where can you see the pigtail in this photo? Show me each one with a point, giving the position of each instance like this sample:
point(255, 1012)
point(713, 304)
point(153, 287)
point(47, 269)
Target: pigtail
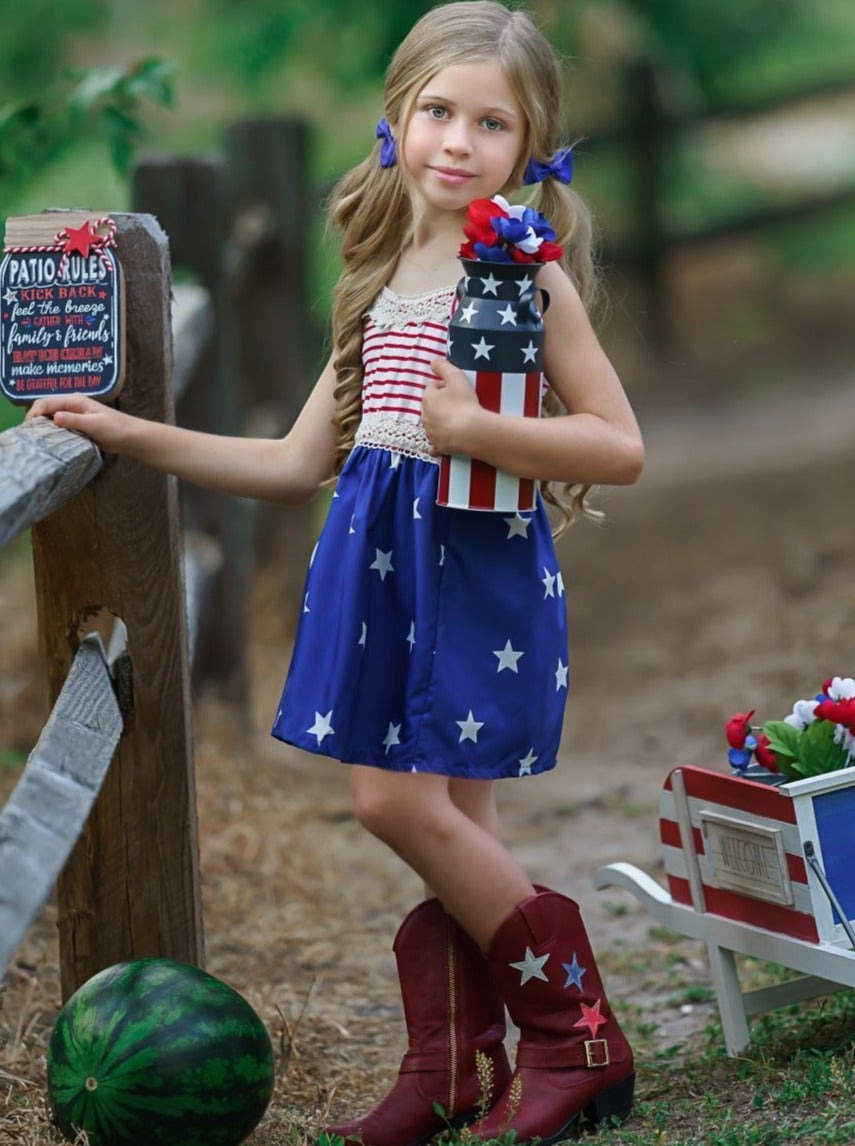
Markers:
point(370, 207)
point(571, 220)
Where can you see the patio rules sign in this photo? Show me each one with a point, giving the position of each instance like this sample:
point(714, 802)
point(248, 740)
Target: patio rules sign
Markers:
point(62, 328)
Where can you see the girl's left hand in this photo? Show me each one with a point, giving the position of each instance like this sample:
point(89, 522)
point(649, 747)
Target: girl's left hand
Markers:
point(447, 407)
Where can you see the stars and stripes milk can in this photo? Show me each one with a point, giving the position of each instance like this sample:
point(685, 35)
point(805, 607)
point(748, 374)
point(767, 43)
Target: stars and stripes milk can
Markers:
point(496, 338)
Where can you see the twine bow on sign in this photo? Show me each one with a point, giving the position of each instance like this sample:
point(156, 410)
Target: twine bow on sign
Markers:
point(81, 240)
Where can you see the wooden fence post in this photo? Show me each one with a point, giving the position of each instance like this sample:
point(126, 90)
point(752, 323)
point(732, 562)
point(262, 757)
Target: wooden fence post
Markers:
point(190, 198)
point(278, 340)
point(648, 140)
point(131, 886)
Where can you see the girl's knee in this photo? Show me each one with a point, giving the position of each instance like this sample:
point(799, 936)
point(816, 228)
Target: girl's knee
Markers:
point(393, 807)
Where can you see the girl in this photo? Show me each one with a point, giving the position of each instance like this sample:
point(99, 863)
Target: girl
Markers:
point(431, 653)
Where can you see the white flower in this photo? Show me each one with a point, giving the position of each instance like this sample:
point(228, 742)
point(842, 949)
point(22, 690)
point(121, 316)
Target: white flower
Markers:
point(802, 714)
point(530, 243)
point(842, 688)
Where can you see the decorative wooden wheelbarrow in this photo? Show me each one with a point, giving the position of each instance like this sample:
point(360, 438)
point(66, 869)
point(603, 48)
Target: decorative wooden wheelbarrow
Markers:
point(756, 870)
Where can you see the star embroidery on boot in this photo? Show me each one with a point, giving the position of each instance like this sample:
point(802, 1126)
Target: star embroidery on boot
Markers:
point(531, 967)
point(591, 1018)
point(574, 973)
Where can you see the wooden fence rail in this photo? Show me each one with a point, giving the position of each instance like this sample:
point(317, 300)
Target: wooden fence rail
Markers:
point(42, 820)
point(107, 798)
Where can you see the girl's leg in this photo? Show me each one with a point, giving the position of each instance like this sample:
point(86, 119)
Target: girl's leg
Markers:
point(452, 1009)
point(463, 862)
point(477, 800)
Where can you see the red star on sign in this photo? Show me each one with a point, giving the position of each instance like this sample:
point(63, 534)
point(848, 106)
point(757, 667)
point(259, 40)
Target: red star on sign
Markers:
point(591, 1018)
point(80, 239)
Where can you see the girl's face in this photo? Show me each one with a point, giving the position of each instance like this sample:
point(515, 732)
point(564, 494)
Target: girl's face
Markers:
point(464, 136)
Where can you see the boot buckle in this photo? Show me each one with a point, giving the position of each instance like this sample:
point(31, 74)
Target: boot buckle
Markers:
point(597, 1052)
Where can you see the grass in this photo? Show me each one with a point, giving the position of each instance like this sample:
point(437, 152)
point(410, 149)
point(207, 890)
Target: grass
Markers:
point(793, 1084)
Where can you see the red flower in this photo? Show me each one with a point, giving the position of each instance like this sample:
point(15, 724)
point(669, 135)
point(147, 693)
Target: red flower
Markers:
point(737, 728)
point(549, 251)
point(764, 754)
point(838, 712)
point(477, 226)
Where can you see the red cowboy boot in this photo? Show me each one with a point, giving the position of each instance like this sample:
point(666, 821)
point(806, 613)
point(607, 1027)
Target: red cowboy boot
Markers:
point(452, 1009)
point(574, 1064)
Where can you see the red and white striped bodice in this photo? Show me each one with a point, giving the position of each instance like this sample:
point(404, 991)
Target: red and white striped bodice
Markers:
point(403, 335)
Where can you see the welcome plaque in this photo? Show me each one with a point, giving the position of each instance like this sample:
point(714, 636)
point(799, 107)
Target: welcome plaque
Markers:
point(62, 322)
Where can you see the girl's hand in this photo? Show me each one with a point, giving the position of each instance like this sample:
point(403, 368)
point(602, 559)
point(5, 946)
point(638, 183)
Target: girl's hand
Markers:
point(106, 426)
point(448, 404)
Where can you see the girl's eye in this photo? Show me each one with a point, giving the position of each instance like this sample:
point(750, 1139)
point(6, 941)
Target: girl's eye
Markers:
point(435, 111)
point(493, 124)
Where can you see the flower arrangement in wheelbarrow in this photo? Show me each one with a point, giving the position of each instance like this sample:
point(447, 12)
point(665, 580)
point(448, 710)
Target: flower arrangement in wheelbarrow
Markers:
point(818, 736)
point(498, 232)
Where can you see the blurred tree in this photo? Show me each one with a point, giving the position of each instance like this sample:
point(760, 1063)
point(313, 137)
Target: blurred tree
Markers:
point(351, 39)
point(35, 40)
point(98, 101)
point(708, 41)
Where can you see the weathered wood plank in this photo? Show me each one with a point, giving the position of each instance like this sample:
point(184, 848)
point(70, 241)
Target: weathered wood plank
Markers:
point(47, 810)
point(41, 468)
point(192, 326)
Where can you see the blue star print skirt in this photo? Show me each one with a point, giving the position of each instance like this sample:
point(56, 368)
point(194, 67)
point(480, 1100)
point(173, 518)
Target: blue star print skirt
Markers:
point(431, 639)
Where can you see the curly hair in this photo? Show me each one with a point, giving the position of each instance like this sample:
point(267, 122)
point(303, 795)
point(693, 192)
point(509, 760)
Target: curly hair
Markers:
point(370, 205)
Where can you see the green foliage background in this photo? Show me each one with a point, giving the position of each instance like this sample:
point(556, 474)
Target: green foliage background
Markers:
point(325, 59)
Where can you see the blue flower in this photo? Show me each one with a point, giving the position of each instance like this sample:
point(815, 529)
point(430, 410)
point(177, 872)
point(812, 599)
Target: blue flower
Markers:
point(492, 254)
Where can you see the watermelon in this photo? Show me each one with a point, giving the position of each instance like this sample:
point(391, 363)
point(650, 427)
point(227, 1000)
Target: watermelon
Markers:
point(158, 1052)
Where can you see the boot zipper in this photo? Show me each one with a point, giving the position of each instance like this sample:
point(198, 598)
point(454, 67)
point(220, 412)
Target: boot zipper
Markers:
point(452, 1027)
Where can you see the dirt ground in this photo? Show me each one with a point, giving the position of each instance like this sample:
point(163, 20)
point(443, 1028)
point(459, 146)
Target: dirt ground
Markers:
point(723, 581)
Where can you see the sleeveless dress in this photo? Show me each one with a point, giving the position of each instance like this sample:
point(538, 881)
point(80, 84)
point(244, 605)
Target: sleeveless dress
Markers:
point(431, 639)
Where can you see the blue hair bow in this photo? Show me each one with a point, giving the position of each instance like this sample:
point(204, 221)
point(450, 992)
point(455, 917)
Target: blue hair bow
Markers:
point(388, 156)
point(561, 168)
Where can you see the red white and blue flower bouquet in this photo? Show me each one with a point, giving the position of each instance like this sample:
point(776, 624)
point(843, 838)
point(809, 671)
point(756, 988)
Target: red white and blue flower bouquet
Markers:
point(496, 337)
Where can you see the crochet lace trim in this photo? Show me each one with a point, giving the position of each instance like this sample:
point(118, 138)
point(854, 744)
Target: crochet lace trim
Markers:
point(379, 431)
point(391, 310)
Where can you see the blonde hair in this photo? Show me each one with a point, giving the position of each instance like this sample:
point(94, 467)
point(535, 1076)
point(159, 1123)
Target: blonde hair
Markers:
point(371, 208)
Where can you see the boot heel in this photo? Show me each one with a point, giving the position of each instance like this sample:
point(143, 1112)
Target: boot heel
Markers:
point(614, 1103)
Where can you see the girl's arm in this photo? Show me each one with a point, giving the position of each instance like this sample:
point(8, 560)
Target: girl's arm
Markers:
point(596, 442)
point(288, 469)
